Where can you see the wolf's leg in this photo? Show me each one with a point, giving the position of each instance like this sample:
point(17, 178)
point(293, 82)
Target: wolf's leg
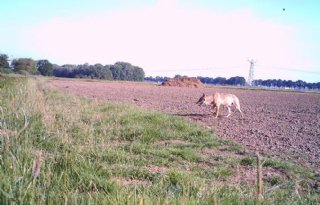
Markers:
point(238, 108)
point(241, 113)
point(214, 109)
point(217, 113)
point(229, 111)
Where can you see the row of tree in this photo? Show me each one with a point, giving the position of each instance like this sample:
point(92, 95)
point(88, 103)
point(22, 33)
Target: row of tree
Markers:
point(237, 80)
point(299, 84)
point(128, 72)
point(241, 81)
point(157, 79)
point(117, 71)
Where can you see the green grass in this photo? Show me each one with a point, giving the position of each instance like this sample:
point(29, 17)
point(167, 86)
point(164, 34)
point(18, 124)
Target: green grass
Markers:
point(247, 161)
point(103, 153)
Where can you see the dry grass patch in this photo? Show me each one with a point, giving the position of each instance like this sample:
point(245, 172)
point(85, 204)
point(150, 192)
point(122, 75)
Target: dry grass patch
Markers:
point(171, 142)
point(156, 169)
point(135, 182)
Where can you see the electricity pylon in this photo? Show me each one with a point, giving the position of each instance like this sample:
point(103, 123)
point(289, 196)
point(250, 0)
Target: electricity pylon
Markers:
point(251, 72)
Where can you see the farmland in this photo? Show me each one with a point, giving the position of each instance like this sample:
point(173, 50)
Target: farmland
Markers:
point(283, 124)
point(98, 142)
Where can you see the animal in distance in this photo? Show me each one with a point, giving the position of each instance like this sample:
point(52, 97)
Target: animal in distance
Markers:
point(218, 99)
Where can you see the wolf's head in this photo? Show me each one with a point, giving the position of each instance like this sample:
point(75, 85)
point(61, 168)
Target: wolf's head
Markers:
point(204, 99)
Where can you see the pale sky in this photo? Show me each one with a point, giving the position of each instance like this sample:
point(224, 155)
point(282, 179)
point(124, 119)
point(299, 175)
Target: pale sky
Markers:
point(166, 37)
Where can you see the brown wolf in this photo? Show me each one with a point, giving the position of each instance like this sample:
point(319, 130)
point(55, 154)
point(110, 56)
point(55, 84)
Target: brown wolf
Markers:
point(218, 99)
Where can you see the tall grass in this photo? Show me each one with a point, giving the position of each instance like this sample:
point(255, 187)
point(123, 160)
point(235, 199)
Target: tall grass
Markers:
point(57, 148)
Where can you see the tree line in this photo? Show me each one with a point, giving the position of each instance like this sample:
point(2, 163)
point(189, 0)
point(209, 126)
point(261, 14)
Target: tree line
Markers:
point(117, 71)
point(128, 72)
point(157, 79)
point(237, 81)
point(299, 84)
point(241, 81)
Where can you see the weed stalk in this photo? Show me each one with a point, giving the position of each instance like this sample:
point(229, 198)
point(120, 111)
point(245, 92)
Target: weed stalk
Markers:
point(37, 165)
point(259, 178)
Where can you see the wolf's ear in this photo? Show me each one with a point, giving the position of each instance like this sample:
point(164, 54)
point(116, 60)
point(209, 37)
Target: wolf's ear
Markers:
point(203, 94)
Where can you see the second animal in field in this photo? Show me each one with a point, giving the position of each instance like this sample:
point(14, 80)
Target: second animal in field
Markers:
point(218, 99)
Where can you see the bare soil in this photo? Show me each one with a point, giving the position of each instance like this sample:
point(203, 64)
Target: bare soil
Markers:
point(184, 82)
point(283, 124)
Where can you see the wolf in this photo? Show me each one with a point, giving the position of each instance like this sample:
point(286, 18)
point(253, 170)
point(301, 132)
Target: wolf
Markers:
point(218, 99)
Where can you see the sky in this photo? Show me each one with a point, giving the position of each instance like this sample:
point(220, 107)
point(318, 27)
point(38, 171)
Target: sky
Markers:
point(210, 38)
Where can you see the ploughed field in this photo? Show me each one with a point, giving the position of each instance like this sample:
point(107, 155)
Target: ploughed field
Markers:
point(283, 124)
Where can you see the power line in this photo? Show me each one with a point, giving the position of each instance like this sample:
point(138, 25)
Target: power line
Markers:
point(252, 69)
point(290, 69)
point(199, 69)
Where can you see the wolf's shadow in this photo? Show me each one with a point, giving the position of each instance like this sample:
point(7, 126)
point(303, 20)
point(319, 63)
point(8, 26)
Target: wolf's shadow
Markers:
point(191, 115)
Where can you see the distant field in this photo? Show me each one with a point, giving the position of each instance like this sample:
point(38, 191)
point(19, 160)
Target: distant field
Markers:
point(96, 151)
point(284, 124)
